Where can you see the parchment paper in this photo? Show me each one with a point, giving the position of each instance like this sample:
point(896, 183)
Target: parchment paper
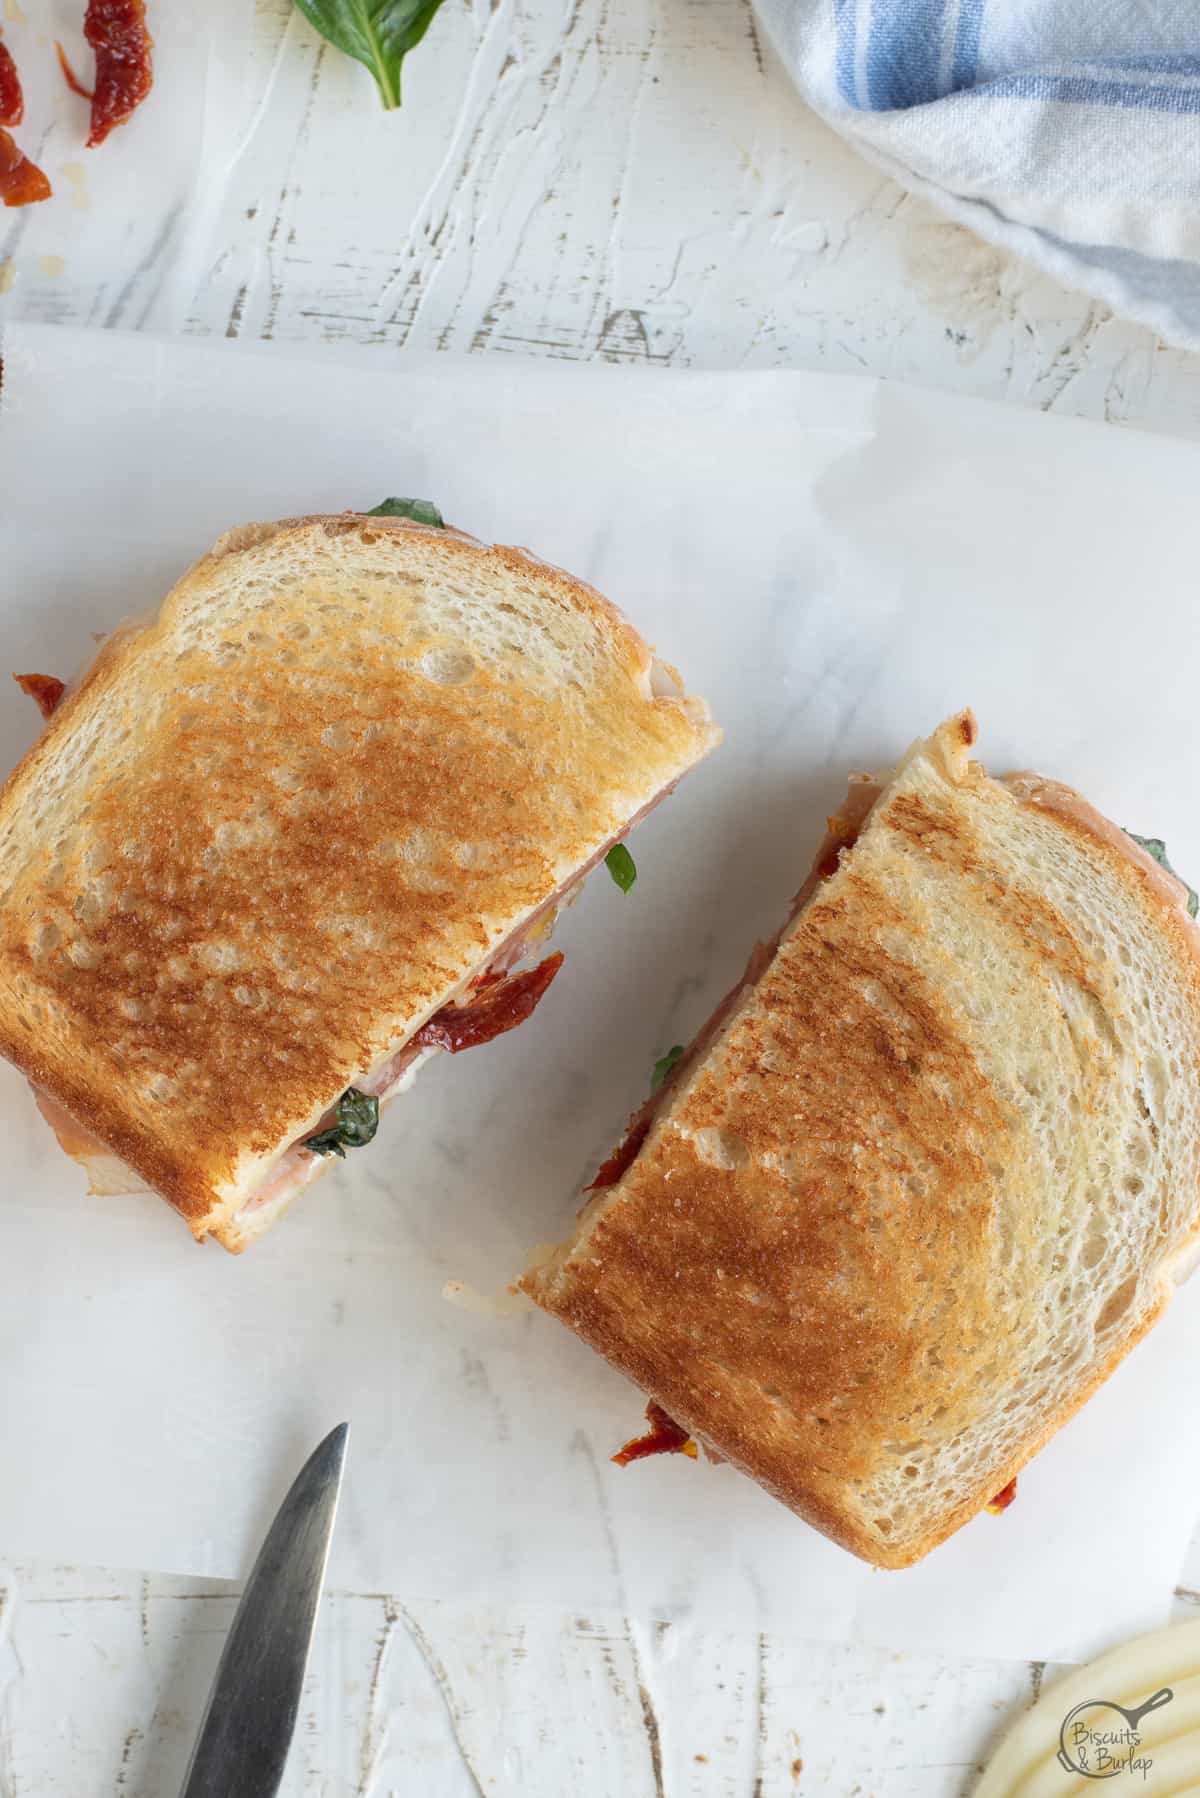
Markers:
point(836, 564)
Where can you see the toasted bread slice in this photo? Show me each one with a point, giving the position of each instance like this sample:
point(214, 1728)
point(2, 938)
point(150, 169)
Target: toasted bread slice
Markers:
point(935, 1174)
point(272, 832)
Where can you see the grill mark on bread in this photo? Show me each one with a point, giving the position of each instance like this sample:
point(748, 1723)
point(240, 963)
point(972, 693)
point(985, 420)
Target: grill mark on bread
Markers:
point(947, 837)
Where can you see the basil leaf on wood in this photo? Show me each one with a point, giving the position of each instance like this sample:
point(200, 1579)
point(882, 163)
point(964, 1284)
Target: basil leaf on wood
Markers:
point(421, 511)
point(621, 866)
point(357, 1122)
point(377, 33)
point(1157, 849)
point(664, 1064)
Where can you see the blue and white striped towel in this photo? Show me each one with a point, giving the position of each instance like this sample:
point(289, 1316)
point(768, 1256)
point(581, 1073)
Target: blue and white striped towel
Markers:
point(1068, 130)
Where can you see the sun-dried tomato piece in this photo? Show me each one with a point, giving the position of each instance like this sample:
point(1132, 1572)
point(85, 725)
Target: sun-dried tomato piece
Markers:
point(1003, 1498)
point(22, 183)
point(622, 1158)
point(664, 1437)
point(70, 77)
point(503, 1005)
point(12, 100)
point(117, 32)
point(45, 689)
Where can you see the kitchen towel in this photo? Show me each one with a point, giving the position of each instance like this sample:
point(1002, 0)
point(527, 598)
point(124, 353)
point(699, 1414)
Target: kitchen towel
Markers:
point(1066, 130)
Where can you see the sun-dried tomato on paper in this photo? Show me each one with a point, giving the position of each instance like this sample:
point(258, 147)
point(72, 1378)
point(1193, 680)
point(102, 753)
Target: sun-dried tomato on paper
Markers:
point(12, 100)
point(22, 183)
point(118, 33)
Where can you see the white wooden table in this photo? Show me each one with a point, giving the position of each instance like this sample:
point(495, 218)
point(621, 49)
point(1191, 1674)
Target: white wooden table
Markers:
point(615, 180)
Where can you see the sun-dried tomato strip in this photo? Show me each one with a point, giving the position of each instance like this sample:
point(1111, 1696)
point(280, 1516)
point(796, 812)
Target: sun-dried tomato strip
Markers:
point(12, 100)
point(46, 689)
point(70, 77)
point(117, 32)
point(504, 1004)
point(22, 183)
point(1003, 1498)
point(664, 1437)
point(610, 1171)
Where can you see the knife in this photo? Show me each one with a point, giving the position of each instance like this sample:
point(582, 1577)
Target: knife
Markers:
point(248, 1725)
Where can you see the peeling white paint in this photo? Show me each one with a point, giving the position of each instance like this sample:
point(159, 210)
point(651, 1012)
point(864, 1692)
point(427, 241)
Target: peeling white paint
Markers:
point(616, 180)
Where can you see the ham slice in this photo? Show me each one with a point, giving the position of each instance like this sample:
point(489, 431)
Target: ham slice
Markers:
point(108, 1175)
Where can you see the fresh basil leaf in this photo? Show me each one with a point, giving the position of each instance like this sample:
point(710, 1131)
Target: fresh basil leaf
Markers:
point(421, 511)
point(621, 866)
point(1156, 848)
point(357, 1122)
point(664, 1064)
point(377, 33)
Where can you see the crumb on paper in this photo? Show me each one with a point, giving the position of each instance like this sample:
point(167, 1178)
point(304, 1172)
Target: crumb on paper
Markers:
point(52, 265)
point(8, 276)
point(76, 175)
point(505, 1303)
point(701, 1757)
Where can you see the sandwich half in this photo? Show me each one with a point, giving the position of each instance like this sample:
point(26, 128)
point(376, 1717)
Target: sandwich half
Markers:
point(930, 1172)
point(296, 834)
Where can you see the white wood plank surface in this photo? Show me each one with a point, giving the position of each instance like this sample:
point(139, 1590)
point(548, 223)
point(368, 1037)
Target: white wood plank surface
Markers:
point(103, 1678)
point(619, 180)
point(622, 180)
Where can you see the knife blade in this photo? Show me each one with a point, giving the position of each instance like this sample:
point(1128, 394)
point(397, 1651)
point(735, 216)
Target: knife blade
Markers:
point(251, 1714)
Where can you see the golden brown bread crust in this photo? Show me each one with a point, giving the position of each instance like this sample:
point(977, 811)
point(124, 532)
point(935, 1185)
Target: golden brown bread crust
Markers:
point(801, 1265)
point(712, 1305)
point(284, 842)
